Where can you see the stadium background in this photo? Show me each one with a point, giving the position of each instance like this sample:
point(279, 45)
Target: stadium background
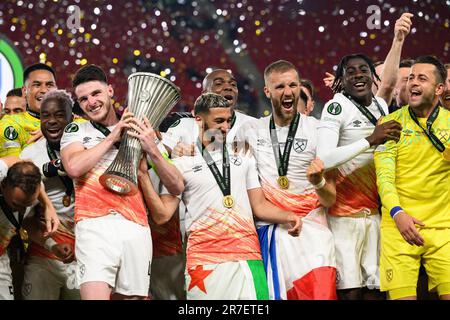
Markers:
point(183, 40)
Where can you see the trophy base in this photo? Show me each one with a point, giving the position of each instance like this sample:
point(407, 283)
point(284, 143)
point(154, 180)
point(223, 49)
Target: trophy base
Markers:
point(118, 184)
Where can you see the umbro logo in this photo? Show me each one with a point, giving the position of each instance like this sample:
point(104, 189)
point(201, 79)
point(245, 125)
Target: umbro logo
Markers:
point(357, 123)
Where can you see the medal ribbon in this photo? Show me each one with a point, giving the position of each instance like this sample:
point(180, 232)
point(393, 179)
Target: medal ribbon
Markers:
point(282, 160)
point(224, 181)
point(429, 130)
point(366, 111)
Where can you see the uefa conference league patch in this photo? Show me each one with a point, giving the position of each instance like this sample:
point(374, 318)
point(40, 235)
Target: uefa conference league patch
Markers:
point(10, 133)
point(177, 122)
point(71, 127)
point(334, 108)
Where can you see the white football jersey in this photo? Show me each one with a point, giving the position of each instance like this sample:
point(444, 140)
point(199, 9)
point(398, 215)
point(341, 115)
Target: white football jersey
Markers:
point(341, 121)
point(186, 130)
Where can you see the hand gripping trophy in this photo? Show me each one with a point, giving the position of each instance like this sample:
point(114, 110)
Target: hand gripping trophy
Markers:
point(148, 95)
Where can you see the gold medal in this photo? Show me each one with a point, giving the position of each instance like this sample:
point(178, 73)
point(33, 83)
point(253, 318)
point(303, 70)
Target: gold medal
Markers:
point(283, 182)
point(446, 154)
point(66, 200)
point(228, 201)
point(24, 236)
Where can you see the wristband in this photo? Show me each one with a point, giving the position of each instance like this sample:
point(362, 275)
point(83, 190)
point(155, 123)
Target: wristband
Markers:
point(320, 185)
point(395, 210)
point(49, 243)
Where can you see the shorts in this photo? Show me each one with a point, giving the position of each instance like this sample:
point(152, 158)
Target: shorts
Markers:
point(233, 280)
point(400, 262)
point(6, 285)
point(357, 242)
point(49, 279)
point(114, 250)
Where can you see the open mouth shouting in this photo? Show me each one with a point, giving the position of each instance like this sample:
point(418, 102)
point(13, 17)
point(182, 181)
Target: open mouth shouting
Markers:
point(287, 104)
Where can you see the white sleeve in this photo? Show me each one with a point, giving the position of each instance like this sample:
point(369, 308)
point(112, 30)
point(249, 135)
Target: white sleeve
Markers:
point(72, 133)
point(329, 130)
point(252, 174)
point(173, 135)
point(3, 170)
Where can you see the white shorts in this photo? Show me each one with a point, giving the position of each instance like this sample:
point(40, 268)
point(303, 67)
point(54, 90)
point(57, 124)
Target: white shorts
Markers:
point(357, 241)
point(6, 285)
point(49, 279)
point(114, 250)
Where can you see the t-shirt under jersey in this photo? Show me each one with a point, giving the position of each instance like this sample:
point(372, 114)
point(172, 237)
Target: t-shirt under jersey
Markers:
point(300, 197)
point(217, 234)
point(413, 174)
point(185, 130)
point(15, 132)
point(91, 198)
point(55, 190)
point(356, 188)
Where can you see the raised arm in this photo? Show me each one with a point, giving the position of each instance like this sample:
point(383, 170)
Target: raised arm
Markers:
point(392, 61)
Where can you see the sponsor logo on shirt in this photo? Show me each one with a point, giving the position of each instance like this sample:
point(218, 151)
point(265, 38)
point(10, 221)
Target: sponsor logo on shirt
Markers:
point(197, 168)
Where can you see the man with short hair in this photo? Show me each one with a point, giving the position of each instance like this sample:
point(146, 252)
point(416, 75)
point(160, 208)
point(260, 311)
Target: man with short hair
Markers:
point(413, 178)
point(19, 130)
point(348, 135)
point(292, 178)
point(222, 194)
point(400, 94)
point(49, 270)
point(185, 130)
point(113, 246)
point(20, 190)
point(15, 102)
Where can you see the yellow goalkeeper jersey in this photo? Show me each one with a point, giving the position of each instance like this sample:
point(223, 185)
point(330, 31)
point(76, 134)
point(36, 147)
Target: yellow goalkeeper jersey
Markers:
point(412, 173)
point(15, 132)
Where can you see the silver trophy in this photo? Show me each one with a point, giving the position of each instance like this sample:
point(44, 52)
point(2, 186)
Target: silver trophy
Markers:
point(148, 95)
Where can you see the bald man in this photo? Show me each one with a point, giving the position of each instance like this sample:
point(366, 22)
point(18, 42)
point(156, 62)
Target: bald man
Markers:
point(184, 131)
